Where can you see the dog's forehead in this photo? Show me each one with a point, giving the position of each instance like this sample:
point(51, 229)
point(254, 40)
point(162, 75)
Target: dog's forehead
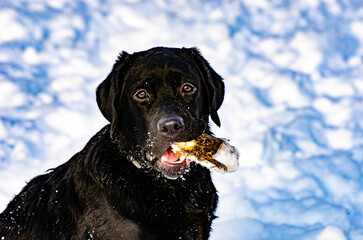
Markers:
point(163, 65)
point(164, 60)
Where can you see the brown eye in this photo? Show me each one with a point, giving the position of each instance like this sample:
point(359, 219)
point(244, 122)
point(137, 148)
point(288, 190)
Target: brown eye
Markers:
point(141, 95)
point(188, 88)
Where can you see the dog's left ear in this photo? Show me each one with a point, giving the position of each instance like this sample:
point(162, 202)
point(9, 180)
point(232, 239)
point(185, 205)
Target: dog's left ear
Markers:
point(212, 82)
point(110, 91)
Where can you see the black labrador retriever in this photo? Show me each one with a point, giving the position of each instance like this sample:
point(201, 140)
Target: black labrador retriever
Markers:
point(126, 182)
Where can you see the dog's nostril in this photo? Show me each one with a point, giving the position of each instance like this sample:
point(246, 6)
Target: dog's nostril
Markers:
point(170, 126)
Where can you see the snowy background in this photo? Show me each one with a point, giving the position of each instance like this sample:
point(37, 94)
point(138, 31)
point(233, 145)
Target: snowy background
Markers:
point(294, 99)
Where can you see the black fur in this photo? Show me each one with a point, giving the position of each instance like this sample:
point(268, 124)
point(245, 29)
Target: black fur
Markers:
point(115, 188)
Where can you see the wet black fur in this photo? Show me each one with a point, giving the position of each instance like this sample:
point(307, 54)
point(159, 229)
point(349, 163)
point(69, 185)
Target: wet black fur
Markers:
point(99, 193)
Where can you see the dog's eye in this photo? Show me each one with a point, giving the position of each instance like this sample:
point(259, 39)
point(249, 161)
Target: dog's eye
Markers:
point(188, 88)
point(141, 95)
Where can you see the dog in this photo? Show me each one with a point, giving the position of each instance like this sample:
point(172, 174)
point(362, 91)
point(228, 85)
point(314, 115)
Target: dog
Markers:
point(126, 183)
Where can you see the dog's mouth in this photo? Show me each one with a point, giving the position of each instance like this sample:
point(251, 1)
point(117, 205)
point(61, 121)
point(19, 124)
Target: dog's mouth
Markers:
point(170, 158)
point(169, 164)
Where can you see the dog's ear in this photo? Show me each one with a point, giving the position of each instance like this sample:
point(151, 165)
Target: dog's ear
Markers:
point(110, 91)
point(213, 84)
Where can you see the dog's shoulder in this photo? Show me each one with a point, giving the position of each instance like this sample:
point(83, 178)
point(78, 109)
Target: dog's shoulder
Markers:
point(42, 209)
point(48, 206)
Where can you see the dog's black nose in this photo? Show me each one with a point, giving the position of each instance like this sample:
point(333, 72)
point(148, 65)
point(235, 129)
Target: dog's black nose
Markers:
point(170, 126)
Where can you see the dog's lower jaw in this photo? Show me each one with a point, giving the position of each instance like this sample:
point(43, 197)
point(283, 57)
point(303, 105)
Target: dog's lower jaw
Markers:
point(172, 172)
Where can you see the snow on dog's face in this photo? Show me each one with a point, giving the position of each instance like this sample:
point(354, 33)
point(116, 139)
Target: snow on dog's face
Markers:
point(157, 97)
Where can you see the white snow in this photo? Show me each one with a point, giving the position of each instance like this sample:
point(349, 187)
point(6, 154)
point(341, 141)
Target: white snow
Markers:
point(330, 233)
point(10, 95)
point(340, 138)
point(334, 87)
point(10, 28)
point(308, 54)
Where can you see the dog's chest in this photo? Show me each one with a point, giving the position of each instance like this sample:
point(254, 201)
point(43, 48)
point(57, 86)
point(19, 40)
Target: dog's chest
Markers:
point(160, 213)
point(102, 221)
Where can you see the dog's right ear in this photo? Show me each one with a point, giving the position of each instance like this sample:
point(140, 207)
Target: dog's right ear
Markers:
point(110, 91)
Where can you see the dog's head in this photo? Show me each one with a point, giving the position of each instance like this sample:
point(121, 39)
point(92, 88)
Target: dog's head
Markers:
point(160, 96)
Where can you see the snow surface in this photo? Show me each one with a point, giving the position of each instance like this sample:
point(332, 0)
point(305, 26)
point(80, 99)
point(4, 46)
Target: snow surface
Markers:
point(293, 106)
